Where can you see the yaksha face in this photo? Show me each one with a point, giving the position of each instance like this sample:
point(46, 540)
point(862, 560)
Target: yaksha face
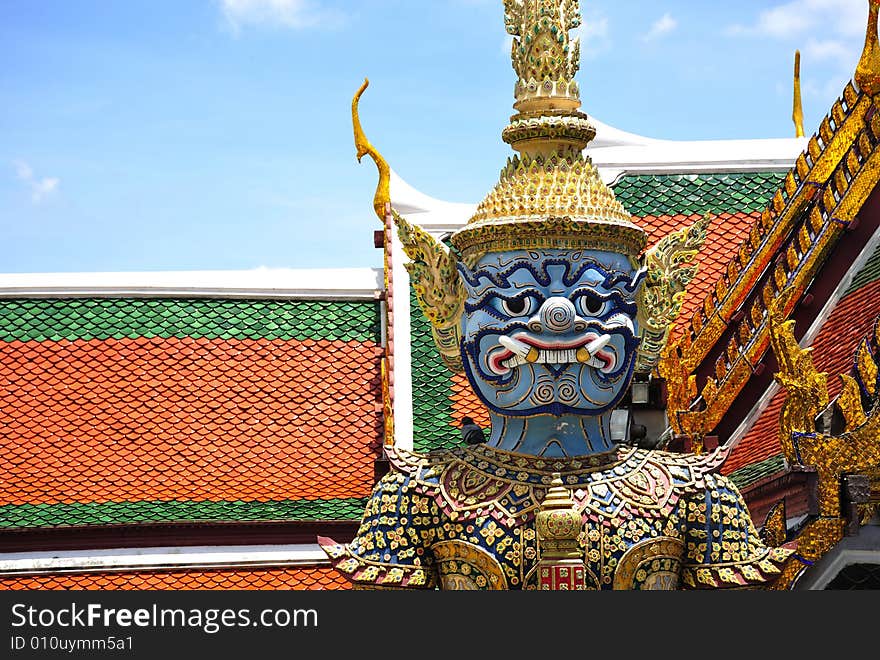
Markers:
point(550, 331)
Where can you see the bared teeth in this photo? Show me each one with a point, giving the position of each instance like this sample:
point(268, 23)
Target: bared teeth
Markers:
point(598, 344)
point(526, 354)
point(586, 353)
point(514, 345)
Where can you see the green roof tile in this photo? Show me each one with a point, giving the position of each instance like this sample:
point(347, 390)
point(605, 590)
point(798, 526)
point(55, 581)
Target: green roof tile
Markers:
point(869, 273)
point(432, 388)
point(54, 515)
point(54, 319)
point(748, 475)
point(672, 194)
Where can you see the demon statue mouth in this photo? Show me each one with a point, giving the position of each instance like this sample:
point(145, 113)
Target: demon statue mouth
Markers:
point(590, 349)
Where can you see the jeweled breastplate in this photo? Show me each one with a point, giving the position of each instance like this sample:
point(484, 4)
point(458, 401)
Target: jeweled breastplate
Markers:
point(631, 535)
point(465, 519)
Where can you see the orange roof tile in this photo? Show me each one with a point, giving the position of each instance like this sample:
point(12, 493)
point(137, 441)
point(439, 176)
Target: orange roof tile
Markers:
point(187, 419)
point(466, 404)
point(725, 234)
point(312, 578)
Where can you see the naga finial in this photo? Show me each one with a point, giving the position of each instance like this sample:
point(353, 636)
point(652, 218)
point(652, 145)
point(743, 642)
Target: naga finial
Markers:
point(867, 75)
point(797, 113)
point(806, 386)
point(364, 148)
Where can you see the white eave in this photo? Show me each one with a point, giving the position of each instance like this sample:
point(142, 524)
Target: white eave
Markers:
point(167, 558)
point(615, 153)
point(431, 214)
point(319, 283)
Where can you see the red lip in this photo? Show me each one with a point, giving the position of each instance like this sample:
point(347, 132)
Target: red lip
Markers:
point(531, 341)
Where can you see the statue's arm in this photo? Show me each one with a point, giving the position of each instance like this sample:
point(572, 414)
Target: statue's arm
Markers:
point(391, 548)
point(723, 547)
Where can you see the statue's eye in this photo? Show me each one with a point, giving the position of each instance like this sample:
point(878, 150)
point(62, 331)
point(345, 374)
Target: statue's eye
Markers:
point(517, 306)
point(591, 304)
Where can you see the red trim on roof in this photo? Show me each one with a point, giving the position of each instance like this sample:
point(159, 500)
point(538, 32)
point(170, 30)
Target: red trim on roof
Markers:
point(150, 535)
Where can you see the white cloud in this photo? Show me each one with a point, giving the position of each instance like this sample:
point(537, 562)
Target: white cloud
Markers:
point(594, 29)
point(23, 171)
point(593, 33)
point(841, 18)
point(507, 44)
point(40, 188)
point(829, 33)
point(290, 14)
point(829, 50)
point(664, 25)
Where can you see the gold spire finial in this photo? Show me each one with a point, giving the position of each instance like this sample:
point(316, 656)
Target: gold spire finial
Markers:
point(549, 196)
point(797, 113)
point(868, 69)
point(542, 49)
point(363, 146)
point(545, 60)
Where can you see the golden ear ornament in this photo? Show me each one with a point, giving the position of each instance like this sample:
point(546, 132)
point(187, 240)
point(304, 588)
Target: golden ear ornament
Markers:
point(438, 288)
point(671, 265)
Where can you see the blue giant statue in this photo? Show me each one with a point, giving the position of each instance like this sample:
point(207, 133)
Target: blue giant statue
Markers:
point(549, 303)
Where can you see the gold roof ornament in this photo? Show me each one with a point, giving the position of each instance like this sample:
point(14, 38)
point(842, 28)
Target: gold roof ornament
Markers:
point(797, 112)
point(365, 148)
point(838, 459)
point(549, 195)
point(867, 75)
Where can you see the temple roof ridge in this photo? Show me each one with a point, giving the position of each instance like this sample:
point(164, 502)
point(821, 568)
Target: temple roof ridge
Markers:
point(432, 213)
point(324, 283)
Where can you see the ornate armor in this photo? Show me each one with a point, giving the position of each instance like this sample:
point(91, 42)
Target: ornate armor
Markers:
point(465, 519)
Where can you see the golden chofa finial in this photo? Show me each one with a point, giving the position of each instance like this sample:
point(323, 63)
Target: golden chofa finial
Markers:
point(364, 148)
point(797, 113)
point(545, 60)
point(868, 69)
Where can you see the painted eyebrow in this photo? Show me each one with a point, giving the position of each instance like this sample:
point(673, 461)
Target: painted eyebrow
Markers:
point(501, 276)
point(491, 275)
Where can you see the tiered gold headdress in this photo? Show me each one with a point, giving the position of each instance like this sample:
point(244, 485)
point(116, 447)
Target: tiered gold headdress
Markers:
point(549, 195)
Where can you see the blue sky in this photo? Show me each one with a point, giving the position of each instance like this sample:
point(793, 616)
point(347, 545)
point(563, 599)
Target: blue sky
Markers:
point(150, 135)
